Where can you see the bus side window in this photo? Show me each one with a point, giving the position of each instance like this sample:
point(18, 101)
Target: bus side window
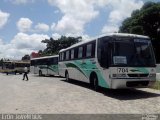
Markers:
point(48, 61)
point(32, 63)
point(102, 52)
point(51, 61)
point(104, 56)
point(72, 54)
point(89, 50)
point(84, 51)
point(39, 62)
point(64, 55)
point(56, 60)
point(93, 49)
point(75, 53)
point(44, 61)
point(67, 55)
point(80, 51)
point(35, 62)
point(12, 66)
point(59, 56)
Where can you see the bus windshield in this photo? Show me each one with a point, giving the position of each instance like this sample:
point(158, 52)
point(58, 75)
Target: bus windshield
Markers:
point(132, 52)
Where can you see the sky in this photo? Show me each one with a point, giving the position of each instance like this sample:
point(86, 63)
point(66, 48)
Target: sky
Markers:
point(25, 23)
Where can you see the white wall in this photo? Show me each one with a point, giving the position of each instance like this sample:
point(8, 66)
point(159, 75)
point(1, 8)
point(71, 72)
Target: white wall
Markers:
point(158, 72)
point(158, 68)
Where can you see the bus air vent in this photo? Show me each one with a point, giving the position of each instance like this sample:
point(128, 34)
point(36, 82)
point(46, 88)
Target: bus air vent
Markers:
point(138, 75)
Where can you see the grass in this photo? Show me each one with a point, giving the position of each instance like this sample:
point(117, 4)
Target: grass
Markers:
point(157, 85)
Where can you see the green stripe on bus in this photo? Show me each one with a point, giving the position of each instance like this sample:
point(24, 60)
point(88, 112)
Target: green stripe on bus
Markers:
point(76, 67)
point(52, 68)
point(86, 68)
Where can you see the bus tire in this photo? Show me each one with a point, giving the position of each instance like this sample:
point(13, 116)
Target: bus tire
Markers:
point(94, 82)
point(40, 73)
point(67, 76)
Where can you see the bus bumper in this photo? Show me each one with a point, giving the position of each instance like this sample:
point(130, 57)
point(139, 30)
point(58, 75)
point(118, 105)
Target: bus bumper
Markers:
point(131, 83)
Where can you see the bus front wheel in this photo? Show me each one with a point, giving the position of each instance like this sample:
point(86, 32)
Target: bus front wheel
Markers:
point(94, 82)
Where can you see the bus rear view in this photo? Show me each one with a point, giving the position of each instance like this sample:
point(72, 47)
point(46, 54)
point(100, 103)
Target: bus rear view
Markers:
point(131, 61)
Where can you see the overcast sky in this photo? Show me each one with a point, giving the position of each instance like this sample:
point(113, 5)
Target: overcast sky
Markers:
point(24, 23)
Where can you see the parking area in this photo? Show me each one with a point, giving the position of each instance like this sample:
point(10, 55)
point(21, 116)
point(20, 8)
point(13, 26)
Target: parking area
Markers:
point(50, 95)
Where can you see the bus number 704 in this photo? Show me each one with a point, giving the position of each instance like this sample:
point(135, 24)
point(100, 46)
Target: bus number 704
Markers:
point(122, 70)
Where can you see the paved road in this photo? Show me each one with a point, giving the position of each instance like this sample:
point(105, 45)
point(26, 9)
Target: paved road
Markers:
point(54, 95)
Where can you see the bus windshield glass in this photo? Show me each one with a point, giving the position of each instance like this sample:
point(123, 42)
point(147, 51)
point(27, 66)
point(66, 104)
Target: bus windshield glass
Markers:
point(132, 52)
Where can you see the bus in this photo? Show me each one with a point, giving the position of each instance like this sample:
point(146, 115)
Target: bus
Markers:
point(47, 65)
point(114, 61)
point(15, 67)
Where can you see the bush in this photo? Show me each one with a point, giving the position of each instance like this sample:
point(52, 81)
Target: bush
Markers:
point(157, 85)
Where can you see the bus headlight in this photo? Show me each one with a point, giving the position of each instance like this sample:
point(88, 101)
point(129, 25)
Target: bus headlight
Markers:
point(152, 75)
point(119, 75)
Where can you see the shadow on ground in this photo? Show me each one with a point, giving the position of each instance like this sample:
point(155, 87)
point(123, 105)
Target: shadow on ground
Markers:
point(121, 94)
point(52, 76)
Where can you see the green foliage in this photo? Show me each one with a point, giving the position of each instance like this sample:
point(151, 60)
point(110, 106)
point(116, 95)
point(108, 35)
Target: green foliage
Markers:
point(1, 62)
point(26, 57)
point(157, 85)
point(148, 18)
point(148, 5)
point(145, 21)
point(54, 46)
point(137, 30)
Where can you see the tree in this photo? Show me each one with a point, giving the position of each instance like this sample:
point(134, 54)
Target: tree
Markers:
point(1, 62)
point(54, 46)
point(26, 57)
point(137, 30)
point(145, 21)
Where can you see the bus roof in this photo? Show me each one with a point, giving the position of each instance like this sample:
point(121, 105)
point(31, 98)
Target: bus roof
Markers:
point(105, 35)
point(45, 57)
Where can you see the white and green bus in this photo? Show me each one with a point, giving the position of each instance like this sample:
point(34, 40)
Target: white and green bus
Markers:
point(45, 65)
point(113, 61)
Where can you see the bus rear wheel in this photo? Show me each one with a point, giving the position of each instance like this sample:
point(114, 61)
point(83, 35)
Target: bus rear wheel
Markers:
point(40, 73)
